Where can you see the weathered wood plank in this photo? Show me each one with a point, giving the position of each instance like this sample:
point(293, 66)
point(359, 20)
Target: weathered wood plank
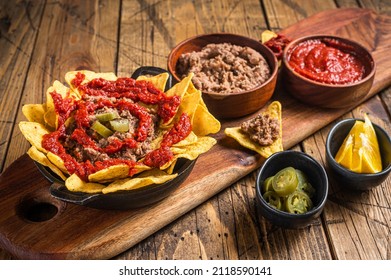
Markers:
point(19, 23)
point(144, 39)
point(71, 35)
point(282, 14)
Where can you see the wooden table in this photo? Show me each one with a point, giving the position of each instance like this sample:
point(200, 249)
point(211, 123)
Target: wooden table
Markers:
point(41, 40)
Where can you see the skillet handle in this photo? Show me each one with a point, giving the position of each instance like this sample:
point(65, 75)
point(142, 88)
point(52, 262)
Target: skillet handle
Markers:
point(57, 190)
point(152, 70)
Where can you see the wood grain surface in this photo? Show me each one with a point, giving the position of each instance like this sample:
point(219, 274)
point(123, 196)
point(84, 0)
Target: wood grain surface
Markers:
point(228, 226)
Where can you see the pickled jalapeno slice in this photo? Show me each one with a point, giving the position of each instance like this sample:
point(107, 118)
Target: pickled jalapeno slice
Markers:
point(303, 184)
point(268, 185)
point(298, 203)
point(289, 190)
point(107, 116)
point(285, 181)
point(301, 177)
point(121, 125)
point(273, 199)
point(101, 129)
point(307, 188)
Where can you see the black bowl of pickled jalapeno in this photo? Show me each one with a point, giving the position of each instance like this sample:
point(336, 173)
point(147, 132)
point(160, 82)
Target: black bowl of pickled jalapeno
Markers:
point(292, 189)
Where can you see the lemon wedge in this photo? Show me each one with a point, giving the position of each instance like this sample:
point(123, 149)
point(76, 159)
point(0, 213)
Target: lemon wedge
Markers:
point(360, 150)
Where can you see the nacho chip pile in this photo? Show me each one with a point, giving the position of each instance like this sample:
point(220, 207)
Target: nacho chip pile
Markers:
point(103, 134)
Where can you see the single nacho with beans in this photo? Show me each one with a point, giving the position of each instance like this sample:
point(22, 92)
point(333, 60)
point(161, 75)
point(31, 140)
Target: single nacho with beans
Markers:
point(263, 133)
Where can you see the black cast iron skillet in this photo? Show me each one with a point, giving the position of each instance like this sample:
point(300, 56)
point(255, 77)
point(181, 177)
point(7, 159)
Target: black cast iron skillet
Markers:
point(122, 200)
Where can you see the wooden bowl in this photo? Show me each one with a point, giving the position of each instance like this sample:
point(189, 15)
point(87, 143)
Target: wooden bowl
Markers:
point(328, 95)
point(229, 105)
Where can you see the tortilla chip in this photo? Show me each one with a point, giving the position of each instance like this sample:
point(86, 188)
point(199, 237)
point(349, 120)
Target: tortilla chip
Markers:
point(50, 116)
point(204, 122)
point(34, 133)
point(274, 111)
point(192, 89)
point(75, 184)
point(189, 103)
point(192, 151)
point(267, 35)
point(140, 167)
point(88, 76)
point(144, 179)
point(42, 159)
point(64, 91)
point(57, 161)
point(34, 112)
point(178, 89)
point(190, 139)
point(51, 119)
point(189, 149)
point(110, 174)
point(170, 169)
point(159, 81)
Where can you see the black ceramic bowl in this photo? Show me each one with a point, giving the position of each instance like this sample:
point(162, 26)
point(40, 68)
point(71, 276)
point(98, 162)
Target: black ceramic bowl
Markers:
point(344, 176)
point(122, 200)
point(316, 175)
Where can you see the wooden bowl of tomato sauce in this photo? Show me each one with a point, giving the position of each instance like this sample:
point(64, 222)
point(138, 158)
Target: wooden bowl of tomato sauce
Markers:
point(327, 71)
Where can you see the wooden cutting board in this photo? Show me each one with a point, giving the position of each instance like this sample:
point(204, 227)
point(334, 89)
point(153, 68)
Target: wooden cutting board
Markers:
point(33, 225)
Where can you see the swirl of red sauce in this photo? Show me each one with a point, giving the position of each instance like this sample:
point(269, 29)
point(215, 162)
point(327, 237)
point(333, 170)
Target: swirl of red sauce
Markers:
point(114, 94)
point(328, 61)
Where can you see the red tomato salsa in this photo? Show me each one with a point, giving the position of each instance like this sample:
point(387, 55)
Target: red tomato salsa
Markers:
point(114, 122)
point(326, 61)
point(278, 44)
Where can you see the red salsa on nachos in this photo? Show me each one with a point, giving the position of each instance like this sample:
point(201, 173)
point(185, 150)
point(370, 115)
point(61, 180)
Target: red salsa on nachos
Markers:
point(109, 126)
point(105, 134)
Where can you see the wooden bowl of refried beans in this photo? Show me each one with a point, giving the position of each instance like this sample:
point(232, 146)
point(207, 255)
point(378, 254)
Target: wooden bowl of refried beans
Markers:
point(236, 74)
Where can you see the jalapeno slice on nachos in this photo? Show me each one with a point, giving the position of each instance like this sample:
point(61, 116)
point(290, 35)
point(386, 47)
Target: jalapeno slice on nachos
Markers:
point(104, 133)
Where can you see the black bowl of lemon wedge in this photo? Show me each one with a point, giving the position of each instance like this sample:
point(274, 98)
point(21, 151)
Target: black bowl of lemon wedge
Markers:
point(358, 154)
point(291, 189)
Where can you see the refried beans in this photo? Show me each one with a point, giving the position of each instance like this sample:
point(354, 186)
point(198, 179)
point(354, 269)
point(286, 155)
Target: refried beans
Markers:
point(224, 68)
